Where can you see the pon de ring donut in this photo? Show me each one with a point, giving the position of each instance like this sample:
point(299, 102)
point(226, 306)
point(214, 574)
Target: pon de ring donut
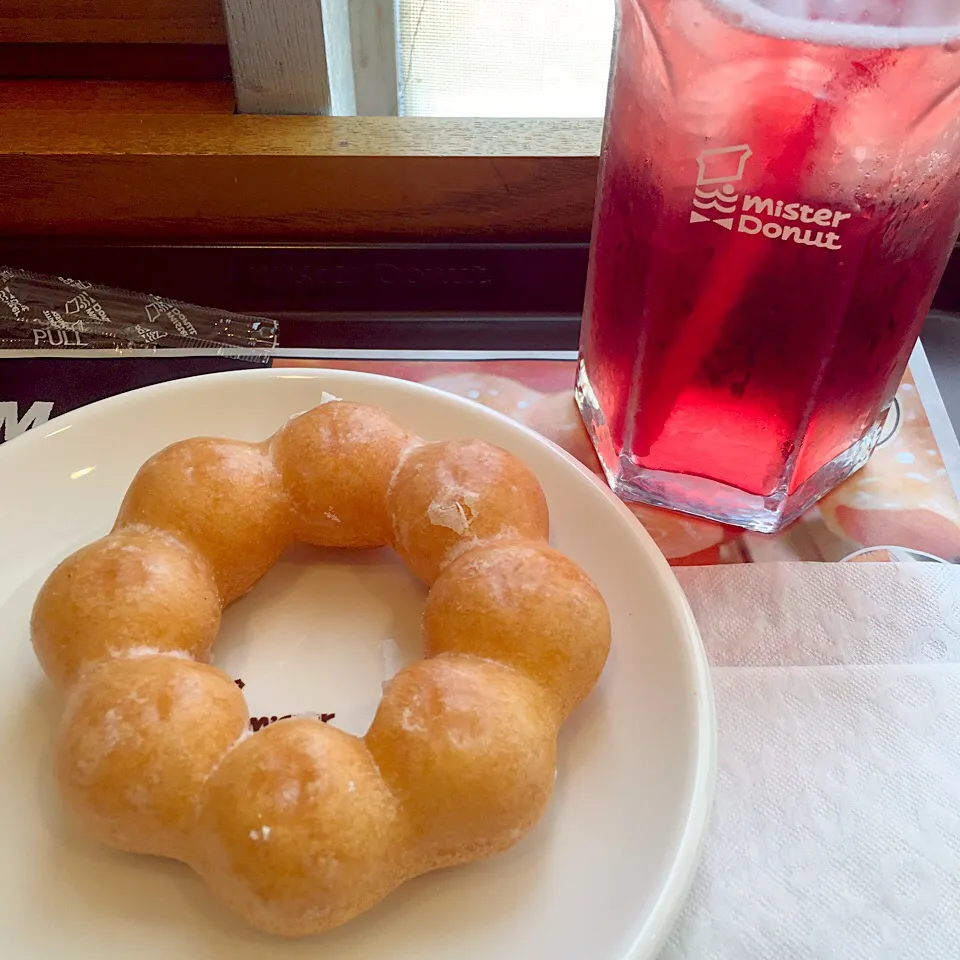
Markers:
point(301, 826)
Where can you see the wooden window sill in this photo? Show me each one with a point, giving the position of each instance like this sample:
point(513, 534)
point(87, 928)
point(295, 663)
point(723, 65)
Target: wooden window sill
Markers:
point(116, 164)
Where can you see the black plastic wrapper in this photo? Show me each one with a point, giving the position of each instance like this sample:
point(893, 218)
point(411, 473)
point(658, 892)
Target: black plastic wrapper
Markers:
point(66, 343)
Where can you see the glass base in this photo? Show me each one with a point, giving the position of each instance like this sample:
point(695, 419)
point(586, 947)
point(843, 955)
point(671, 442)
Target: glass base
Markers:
point(711, 499)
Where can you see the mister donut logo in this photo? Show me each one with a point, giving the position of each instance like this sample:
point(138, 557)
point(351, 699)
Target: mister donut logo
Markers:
point(715, 196)
point(717, 199)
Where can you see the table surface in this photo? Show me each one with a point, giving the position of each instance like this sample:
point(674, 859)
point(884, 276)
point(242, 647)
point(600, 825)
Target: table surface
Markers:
point(941, 340)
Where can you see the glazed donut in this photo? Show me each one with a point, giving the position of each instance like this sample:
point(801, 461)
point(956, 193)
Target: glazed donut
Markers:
point(300, 826)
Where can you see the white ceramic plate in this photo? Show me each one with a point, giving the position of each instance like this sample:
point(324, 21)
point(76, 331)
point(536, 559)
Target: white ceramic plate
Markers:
point(602, 877)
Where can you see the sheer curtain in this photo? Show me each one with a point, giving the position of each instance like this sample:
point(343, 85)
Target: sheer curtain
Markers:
point(505, 58)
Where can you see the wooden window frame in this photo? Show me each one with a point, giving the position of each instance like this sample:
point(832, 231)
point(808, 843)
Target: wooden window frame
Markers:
point(324, 57)
point(226, 178)
point(113, 40)
point(111, 21)
point(375, 58)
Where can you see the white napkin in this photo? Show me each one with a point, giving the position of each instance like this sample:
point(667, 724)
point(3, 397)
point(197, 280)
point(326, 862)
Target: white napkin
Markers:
point(836, 828)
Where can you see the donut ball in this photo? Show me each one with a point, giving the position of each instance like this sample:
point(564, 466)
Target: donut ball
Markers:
point(526, 605)
point(138, 738)
point(223, 497)
point(137, 589)
point(297, 831)
point(469, 748)
point(336, 462)
point(450, 495)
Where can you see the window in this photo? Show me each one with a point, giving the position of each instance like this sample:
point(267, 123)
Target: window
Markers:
point(149, 148)
point(504, 58)
point(440, 58)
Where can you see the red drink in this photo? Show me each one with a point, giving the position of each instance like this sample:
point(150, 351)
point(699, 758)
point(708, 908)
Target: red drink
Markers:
point(772, 220)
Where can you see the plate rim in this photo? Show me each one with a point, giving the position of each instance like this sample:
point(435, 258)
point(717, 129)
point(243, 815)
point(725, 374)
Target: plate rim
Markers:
point(681, 872)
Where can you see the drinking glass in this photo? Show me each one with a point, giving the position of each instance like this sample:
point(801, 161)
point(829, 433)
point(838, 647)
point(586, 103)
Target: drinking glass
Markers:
point(778, 196)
